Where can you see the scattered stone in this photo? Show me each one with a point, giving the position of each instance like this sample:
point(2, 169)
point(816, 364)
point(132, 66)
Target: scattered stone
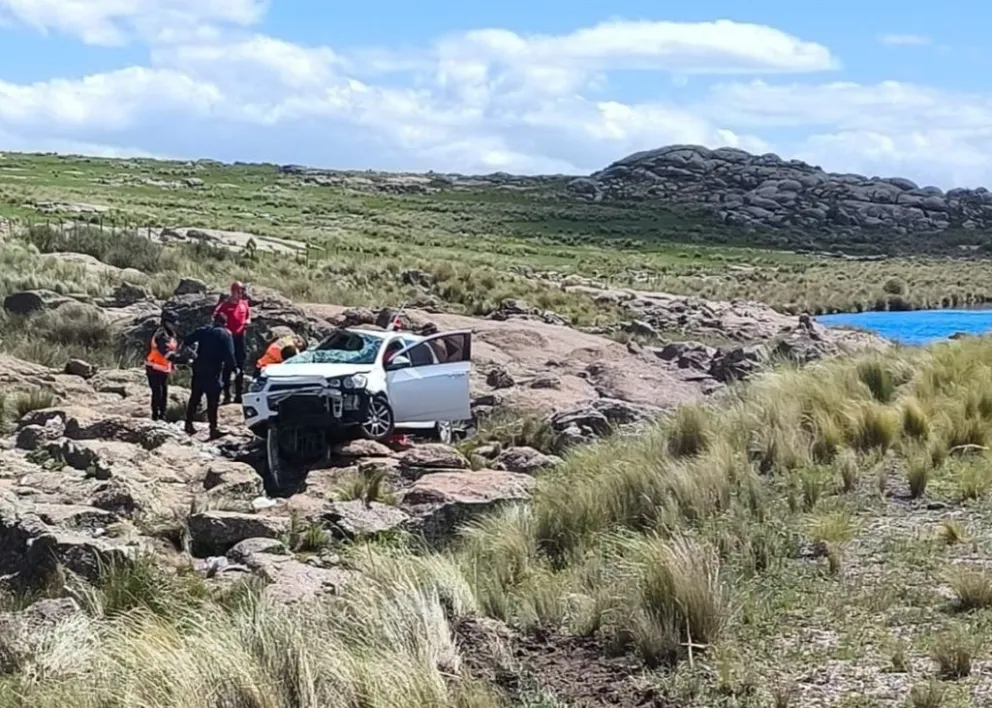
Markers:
point(353, 519)
point(191, 286)
point(524, 460)
point(216, 532)
point(498, 377)
point(291, 581)
point(233, 480)
point(80, 368)
point(128, 294)
point(362, 448)
point(422, 459)
point(546, 381)
point(30, 302)
point(242, 551)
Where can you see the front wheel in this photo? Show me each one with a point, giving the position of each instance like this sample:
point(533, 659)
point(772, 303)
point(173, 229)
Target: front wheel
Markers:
point(380, 423)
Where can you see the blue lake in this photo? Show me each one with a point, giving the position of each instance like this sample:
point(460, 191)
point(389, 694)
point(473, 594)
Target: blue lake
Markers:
point(916, 326)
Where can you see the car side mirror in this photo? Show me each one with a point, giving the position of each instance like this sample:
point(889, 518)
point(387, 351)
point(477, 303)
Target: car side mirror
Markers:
point(399, 362)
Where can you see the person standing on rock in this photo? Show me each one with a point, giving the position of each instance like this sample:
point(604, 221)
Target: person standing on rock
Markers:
point(159, 364)
point(215, 354)
point(237, 310)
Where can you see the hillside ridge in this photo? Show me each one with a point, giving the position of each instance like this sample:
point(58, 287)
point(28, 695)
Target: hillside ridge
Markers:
point(750, 190)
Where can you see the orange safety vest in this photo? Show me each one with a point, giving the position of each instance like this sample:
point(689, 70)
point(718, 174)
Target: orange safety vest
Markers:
point(155, 359)
point(273, 354)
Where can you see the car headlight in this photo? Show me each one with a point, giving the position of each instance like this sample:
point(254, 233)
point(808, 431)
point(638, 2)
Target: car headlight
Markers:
point(356, 381)
point(256, 385)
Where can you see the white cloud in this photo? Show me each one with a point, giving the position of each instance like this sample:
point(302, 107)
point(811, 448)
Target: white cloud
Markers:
point(115, 22)
point(478, 101)
point(905, 40)
point(889, 128)
point(722, 46)
point(103, 103)
point(255, 60)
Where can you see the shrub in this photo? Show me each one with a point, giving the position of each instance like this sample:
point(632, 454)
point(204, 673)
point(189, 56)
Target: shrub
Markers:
point(952, 653)
point(876, 376)
point(34, 400)
point(690, 434)
point(122, 249)
point(972, 588)
point(74, 325)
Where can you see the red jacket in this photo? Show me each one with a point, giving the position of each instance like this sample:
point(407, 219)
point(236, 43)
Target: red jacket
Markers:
point(238, 314)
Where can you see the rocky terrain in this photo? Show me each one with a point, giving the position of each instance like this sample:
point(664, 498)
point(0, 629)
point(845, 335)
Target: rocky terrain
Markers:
point(74, 471)
point(765, 190)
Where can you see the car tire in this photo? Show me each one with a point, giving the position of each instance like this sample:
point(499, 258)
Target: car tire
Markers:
point(272, 458)
point(443, 432)
point(381, 423)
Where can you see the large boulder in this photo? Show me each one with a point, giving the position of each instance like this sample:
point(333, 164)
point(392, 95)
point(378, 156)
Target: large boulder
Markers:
point(22, 634)
point(423, 459)
point(30, 302)
point(30, 549)
point(443, 501)
point(351, 519)
point(82, 423)
point(214, 533)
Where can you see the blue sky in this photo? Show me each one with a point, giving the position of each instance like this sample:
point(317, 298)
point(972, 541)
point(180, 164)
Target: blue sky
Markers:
point(879, 88)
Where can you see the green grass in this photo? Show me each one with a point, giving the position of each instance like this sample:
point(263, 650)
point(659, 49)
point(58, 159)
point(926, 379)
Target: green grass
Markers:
point(833, 519)
point(477, 241)
point(732, 527)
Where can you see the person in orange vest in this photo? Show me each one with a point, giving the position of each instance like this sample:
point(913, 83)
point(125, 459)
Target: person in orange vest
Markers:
point(279, 351)
point(158, 363)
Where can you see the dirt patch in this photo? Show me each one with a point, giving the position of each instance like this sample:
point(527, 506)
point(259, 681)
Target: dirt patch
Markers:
point(576, 670)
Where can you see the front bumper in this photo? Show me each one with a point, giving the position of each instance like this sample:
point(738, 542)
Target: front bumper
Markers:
point(310, 406)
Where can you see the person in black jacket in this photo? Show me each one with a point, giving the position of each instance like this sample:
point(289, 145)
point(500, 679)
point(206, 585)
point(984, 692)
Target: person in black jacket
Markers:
point(215, 351)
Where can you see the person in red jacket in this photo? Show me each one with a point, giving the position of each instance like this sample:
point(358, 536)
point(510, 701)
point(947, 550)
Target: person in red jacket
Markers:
point(238, 313)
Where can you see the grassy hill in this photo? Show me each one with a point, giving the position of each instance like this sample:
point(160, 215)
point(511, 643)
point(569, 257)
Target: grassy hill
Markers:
point(369, 226)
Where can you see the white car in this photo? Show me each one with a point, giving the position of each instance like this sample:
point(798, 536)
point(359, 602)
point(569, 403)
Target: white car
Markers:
point(361, 381)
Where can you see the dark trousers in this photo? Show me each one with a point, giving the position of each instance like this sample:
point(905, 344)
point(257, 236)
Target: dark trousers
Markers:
point(199, 388)
point(158, 382)
point(239, 376)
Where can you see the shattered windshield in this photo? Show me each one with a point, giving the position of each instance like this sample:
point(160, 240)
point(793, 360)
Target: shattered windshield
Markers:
point(342, 347)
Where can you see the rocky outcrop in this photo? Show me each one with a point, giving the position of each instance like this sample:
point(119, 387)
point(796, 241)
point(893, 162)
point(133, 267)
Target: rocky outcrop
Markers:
point(767, 191)
point(271, 313)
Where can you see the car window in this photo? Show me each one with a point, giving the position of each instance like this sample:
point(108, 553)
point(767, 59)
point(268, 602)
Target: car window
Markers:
point(439, 350)
point(342, 347)
point(420, 355)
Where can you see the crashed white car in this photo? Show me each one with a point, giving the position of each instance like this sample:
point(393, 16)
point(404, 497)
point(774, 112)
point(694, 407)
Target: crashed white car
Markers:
point(365, 383)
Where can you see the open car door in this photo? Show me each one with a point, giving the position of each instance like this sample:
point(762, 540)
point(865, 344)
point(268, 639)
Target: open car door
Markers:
point(430, 380)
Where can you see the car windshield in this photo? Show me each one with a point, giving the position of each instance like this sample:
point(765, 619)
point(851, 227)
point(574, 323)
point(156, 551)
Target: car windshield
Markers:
point(342, 347)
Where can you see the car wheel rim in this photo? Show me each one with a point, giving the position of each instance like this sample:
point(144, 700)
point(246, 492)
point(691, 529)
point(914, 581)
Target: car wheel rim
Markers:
point(378, 421)
point(444, 432)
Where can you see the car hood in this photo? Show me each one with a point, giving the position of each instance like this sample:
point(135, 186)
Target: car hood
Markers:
point(284, 371)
